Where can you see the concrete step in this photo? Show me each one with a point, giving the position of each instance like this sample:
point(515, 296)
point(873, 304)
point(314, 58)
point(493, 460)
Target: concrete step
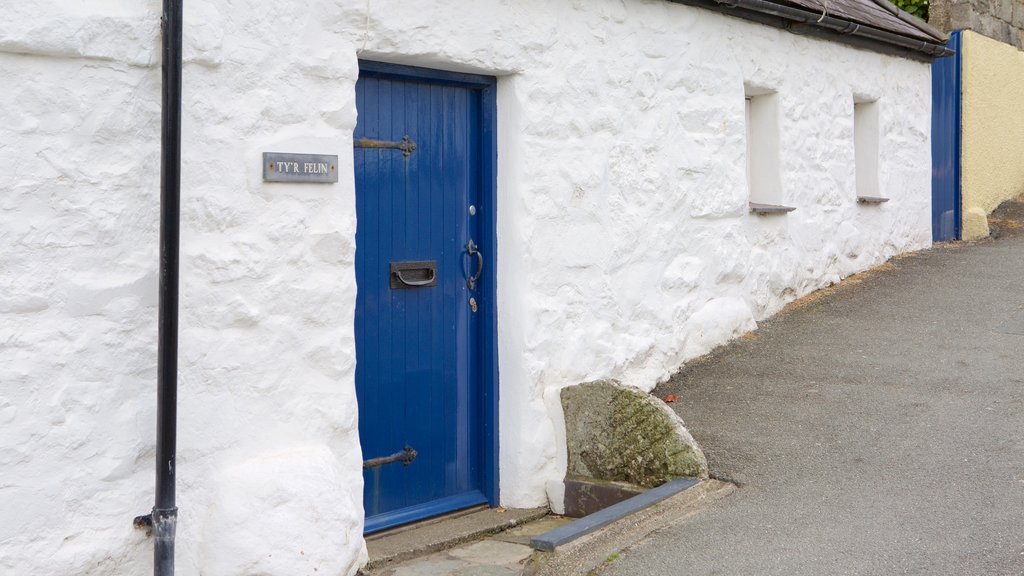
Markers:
point(442, 533)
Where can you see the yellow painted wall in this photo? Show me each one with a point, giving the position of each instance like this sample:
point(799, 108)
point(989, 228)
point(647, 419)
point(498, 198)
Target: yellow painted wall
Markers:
point(992, 158)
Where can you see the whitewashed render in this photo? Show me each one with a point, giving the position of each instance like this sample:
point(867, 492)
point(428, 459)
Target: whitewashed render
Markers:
point(626, 245)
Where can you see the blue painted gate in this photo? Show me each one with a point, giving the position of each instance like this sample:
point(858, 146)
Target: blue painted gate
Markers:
point(424, 322)
point(946, 114)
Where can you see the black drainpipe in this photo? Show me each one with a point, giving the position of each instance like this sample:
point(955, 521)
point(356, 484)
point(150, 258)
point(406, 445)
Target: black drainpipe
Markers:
point(164, 517)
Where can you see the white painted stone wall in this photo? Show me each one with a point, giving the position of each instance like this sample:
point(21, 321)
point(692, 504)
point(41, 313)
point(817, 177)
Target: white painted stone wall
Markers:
point(625, 244)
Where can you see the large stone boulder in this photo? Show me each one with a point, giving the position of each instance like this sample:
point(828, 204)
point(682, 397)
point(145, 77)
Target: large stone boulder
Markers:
point(620, 434)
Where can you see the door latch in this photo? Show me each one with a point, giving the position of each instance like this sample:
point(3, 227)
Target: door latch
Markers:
point(473, 250)
point(406, 456)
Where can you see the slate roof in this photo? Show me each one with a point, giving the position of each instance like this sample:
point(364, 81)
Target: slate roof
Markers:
point(874, 14)
point(874, 24)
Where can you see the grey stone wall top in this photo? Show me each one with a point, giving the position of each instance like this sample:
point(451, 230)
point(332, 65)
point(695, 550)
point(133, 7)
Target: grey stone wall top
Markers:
point(1001, 20)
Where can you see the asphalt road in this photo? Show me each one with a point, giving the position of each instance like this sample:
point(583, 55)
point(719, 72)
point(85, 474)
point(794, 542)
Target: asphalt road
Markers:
point(876, 429)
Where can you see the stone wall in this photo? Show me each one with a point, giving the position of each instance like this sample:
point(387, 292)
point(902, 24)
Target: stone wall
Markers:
point(1002, 20)
point(269, 467)
point(626, 245)
point(992, 139)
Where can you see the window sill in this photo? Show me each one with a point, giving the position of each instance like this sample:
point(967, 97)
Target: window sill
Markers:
point(871, 200)
point(758, 208)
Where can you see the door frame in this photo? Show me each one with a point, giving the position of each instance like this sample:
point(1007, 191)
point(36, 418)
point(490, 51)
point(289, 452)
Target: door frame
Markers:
point(487, 212)
point(947, 102)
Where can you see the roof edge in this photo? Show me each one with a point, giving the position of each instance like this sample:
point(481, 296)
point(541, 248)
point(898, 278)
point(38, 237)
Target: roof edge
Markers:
point(912, 20)
point(802, 21)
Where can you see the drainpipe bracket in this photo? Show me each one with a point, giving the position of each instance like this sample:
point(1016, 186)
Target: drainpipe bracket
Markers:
point(166, 522)
point(144, 522)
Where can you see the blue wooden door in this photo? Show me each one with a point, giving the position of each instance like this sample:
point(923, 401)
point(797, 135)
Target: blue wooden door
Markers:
point(422, 304)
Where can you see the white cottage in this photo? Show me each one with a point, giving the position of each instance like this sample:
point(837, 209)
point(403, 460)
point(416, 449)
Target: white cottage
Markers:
point(518, 197)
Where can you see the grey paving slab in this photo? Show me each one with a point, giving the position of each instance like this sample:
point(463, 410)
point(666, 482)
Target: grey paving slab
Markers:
point(492, 552)
point(522, 534)
point(430, 567)
point(875, 430)
point(488, 571)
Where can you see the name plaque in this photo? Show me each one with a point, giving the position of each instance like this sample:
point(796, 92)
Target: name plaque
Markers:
point(285, 167)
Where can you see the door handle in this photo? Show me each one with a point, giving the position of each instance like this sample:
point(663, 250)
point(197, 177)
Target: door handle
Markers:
point(426, 282)
point(416, 274)
point(473, 250)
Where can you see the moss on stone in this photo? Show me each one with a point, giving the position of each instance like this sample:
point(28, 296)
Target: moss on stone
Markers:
point(621, 434)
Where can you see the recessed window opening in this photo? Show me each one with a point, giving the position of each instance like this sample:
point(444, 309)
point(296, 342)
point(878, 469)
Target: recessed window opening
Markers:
point(764, 180)
point(865, 147)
